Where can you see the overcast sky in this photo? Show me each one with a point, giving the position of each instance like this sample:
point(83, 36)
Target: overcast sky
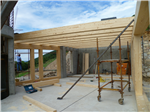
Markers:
point(38, 15)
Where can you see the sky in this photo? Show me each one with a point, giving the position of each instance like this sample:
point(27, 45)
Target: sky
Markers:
point(39, 15)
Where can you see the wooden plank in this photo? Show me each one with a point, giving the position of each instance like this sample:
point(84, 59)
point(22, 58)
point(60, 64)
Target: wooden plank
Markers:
point(40, 63)
point(36, 80)
point(84, 85)
point(92, 45)
point(39, 89)
point(48, 78)
point(141, 18)
point(75, 36)
point(29, 46)
point(76, 40)
point(43, 83)
point(122, 22)
point(80, 34)
point(86, 62)
point(137, 65)
point(58, 63)
point(39, 104)
point(56, 84)
point(80, 41)
point(80, 44)
point(32, 65)
point(65, 39)
point(132, 62)
point(20, 83)
point(105, 77)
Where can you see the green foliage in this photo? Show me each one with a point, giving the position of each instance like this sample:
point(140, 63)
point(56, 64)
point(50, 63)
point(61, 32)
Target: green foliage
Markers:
point(148, 28)
point(25, 65)
point(49, 56)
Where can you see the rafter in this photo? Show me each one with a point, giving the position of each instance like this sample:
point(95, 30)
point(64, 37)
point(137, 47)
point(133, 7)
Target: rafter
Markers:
point(79, 35)
point(86, 27)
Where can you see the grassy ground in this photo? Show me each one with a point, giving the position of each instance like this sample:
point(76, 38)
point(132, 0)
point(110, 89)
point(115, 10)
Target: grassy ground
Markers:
point(48, 62)
point(22, 74)
point(44, 65)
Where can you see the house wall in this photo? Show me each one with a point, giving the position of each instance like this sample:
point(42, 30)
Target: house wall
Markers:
point(146, 57)
point(63, 60)
point(93, 56)
point(7, 32)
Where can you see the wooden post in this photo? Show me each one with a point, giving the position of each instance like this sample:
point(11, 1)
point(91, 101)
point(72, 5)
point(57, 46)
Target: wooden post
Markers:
point(132, 62)
point(41, 64)
point(137, 65)
point(86, 62)
point(58, 63)
point(32, 65)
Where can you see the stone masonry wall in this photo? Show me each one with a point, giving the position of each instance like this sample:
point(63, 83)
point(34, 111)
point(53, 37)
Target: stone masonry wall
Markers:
point(146, 63)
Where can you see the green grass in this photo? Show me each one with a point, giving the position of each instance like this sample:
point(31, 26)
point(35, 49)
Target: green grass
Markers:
point(48, 62)
point(21, 74)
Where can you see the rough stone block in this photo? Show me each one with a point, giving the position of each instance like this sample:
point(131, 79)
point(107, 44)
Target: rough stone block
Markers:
point(146, 70)
point(146, 44)
point(148, 74)
point(144, 74)
point(147, 63)
point(146, 50)
point(145, 67)
point(145, 54)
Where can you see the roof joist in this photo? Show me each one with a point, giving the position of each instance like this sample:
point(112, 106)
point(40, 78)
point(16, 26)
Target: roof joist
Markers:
point(70, 42)
point(78, 35)
point(86, 27)
point(29, 46)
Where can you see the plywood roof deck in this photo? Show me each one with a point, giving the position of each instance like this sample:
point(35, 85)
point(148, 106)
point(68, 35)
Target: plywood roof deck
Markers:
point(80, 35)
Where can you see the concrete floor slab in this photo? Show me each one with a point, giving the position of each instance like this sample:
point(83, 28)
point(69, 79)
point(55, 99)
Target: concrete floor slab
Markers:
point(78, 99)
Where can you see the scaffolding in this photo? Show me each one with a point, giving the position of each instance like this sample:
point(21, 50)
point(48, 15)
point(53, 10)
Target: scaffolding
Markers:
point(120, 61)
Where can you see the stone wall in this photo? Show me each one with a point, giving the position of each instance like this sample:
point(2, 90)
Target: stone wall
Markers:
point(146, 60)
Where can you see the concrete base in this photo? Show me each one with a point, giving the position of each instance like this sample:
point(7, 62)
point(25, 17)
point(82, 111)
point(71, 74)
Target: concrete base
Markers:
point(75, 100)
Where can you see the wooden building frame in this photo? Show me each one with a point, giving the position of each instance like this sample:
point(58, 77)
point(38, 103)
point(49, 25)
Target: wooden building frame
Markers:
point(71, 36)
point(84, 36)
point(32, 65)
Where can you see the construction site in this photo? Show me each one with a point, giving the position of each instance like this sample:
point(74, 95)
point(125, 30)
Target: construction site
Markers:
point(96, 66)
